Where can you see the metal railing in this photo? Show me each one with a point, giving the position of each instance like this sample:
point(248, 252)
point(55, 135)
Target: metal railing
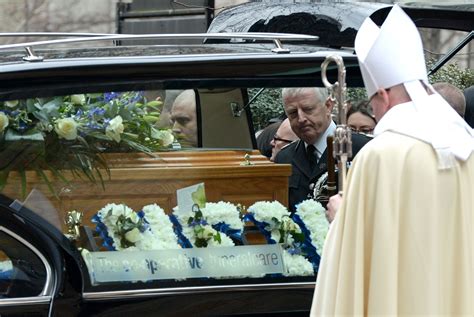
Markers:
point(276, 38)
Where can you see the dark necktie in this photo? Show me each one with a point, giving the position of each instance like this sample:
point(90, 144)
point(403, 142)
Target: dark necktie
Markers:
point(312, 158)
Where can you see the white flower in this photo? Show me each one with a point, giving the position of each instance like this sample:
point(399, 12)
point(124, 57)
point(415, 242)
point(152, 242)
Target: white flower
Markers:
point(158, 236)
point(296, 265)
point(226, 241)
point(313, 216)
point(224, 212)
point(272, 213)
point(3, 121)
point(289, 225)
point(115, 128)
point(166, 137)
point(109, 216)
point(11, 103)
point(208, 232)
point(133, 235)
point(115, 211)
point(161, 230)
point(66, 128)
point(6, 266)
point(264, 211)
point(78, 99)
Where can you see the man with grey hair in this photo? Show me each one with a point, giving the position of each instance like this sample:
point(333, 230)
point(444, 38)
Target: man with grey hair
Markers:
point(453, 95)
point(309, 112)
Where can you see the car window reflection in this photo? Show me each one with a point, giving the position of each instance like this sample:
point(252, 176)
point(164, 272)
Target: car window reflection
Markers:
point(22, 274)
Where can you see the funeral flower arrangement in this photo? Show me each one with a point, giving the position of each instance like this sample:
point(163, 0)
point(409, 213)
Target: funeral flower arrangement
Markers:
point(273, 219)
point(311, 217)
point(207, 224)
point(71, 133)
point(216, 224)
point(121, 228)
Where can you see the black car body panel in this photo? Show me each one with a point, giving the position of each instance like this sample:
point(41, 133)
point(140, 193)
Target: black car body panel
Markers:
point(335, 23)
point(226, 80)
point(62, 76)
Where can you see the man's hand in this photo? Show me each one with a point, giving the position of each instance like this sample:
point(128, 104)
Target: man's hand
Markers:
point(333, 205)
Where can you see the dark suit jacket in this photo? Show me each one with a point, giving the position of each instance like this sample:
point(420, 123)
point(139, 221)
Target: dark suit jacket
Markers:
point(301, 175)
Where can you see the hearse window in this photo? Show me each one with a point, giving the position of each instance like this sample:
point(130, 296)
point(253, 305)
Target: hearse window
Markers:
point(22, 273)
point(167, 183)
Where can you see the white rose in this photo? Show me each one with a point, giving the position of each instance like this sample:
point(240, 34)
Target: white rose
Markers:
point(3, 121)
point(66, 128)
point(78, 99)
point(206, 233)
point(133, 217)
point(165, 136)
point(11, 103)
point(115, 128)
point(133, 235)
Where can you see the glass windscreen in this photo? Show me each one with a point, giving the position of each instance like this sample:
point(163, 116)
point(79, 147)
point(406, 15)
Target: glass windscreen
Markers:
point(22, 273)
point(170, 187)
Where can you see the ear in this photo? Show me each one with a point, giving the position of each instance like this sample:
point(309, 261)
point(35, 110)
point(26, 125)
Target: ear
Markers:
point(384, 97)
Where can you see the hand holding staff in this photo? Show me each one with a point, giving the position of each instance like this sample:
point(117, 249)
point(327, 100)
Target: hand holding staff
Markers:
point(342, 138)
point(331, 182)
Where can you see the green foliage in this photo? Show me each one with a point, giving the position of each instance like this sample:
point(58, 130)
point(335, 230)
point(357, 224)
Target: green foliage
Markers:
point(355, 95)
point(266, 106)
point(199, 197)
point(128, 229)
point(452, 74)
point(202, 230)
point(72, 132)
point(269, 105)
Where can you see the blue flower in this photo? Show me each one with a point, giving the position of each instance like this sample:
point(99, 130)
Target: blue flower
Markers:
point(22, 126)
point(108, 96)
point(78, 114)
point(195, 222)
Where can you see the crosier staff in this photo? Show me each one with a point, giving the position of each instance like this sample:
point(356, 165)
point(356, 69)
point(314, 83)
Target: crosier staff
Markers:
point(342, 144)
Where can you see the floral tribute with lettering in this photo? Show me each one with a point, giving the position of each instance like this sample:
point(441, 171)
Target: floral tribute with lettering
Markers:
point(273, 220)
point(208, 224)
point(198, 232)
point(310, 216)
point(121, 228)
point(225, 218)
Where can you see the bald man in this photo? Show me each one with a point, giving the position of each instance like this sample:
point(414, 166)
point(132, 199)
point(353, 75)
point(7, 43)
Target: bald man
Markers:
point(184, 119)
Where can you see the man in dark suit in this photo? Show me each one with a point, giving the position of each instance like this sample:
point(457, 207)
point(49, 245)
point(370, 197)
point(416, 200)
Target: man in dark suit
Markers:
point(309, 111)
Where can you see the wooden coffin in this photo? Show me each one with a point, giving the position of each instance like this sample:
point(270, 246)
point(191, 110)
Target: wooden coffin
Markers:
point(137, 180)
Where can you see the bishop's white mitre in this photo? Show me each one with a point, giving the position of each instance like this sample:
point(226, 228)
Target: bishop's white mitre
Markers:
point(393, 55)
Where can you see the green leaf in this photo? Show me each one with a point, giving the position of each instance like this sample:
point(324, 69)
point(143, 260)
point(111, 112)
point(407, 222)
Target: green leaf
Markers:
point(217, 237)
point(138, 147)
point(154, 103)
point(199, 196)
point(101, 178)
point(51, 108)
point(298, 236)
point(30, 105)
point(190, 220)
point(200, 243)
point(45, 178)
point(3, 178)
